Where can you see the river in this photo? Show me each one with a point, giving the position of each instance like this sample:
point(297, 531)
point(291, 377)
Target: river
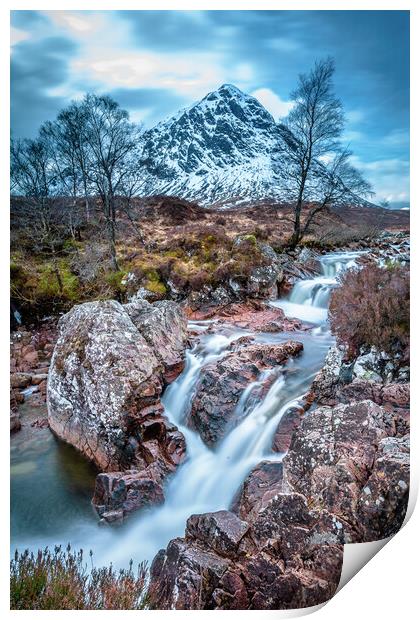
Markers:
point(51, 484)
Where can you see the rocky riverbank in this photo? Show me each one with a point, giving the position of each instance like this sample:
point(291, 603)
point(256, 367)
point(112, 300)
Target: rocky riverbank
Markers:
point(340, 468)
point(345, 478)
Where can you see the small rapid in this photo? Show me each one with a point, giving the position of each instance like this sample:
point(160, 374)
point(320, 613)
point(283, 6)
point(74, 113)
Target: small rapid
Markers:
point(309, 299)
point(209, 478)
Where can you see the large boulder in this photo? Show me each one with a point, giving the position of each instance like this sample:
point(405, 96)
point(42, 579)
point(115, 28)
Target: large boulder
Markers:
point(264, 279)
point(163, 326)
point(345, 458)
point(285, 556)
point(217, 406)
point(109, 367)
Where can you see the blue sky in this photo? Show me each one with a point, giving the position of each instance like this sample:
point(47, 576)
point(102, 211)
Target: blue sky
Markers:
point(154, 62)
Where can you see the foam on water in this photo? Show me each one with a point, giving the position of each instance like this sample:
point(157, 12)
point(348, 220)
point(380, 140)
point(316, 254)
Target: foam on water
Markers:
point(209, 478)
point(309, 299)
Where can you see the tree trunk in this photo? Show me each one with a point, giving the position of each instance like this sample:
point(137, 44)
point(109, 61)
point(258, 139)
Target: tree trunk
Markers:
point(297, 234)
point(110, 223)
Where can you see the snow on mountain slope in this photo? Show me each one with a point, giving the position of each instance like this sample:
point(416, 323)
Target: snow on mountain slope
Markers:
point(226, 148)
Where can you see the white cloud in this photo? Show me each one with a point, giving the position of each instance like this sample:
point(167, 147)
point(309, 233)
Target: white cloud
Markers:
point(244, 72)
point(390, 178)
point(145, 69)
point(79, 24)
point(397, 137)
point(353, 136)
point(283, 44)
point(17, 35)
point(355, 116)
point(274, 104)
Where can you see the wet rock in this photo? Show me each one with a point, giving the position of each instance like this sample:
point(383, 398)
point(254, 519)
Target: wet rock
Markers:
point(20, 380)
point(264, 481)
point(15, 424)
point(40, 423)
point(252, 314)
point(124, 492)
point(115, 517)
point(286, 427)
point(276, 561)
point(332, 456)
point(217, 406)
point(184, 576)
point(223, 530)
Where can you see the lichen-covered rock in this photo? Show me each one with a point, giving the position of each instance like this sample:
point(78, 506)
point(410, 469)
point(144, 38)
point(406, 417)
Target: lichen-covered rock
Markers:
point(107, 373)
point(124, 492)
point(185, 575)
point(215, 407)
point(325, 383)
point(285, 556)
point(383, 501)
point(333, 455)
point(223, 531)
point(163, 326)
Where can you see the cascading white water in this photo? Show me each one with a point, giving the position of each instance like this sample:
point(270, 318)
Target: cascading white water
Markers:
point(209, 479)
point(309, 299)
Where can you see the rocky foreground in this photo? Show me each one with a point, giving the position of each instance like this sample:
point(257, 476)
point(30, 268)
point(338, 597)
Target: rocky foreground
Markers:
point(344, 476)
point(344, 479)
point(109, 368)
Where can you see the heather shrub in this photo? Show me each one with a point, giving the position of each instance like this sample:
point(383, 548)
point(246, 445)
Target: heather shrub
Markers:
point(338, 235)
point(63, 580)
point(372, 307)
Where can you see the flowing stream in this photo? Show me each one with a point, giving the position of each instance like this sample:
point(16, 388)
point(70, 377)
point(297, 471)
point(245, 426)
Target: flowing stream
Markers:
point(52, 484)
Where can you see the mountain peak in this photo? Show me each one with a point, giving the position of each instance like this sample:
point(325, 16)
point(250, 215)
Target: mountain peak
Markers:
point(223, 146)
point(231, 90)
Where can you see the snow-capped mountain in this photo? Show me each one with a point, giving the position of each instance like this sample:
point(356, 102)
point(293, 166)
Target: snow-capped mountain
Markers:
point(224, 149)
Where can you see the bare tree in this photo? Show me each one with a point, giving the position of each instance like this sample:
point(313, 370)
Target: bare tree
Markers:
point(71, 137)
point(131, 184)
point(337, 182)
point(112, 139)
point(64, 163)
point(315, 124)
point(38, 210)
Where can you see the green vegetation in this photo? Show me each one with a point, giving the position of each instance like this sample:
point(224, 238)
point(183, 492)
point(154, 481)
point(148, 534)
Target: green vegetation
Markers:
point(196, 256)
point(63, 580)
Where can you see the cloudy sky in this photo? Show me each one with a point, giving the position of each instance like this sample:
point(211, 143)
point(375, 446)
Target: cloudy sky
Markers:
point(155, 62)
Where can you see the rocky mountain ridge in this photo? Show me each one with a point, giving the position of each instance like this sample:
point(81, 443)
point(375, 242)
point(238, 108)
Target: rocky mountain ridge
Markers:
point(225, 147)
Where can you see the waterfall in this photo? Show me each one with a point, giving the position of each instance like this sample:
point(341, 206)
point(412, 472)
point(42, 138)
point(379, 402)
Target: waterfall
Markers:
point(309, 299)
point(209, 478)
